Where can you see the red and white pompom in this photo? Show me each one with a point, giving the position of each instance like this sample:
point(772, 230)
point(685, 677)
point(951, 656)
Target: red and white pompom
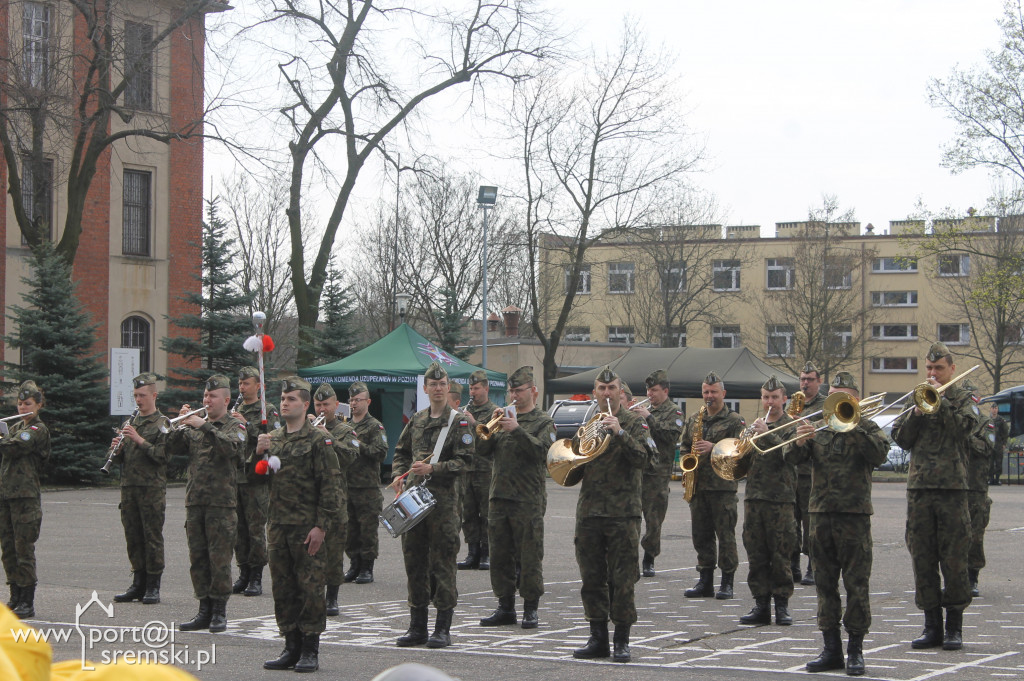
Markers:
point(274, 463)
point(257, 343)
point(262, 467)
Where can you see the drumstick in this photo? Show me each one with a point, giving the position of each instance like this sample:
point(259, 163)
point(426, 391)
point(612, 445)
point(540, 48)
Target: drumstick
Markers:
point(403, 475)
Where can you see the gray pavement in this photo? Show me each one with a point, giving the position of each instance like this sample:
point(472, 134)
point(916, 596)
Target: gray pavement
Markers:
point(82, 549)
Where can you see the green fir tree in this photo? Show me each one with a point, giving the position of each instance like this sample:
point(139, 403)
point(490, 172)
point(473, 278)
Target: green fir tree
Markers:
point(451, 325)
point(57, 341)
point(336, 336)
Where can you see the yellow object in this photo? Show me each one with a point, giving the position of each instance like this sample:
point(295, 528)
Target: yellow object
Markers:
point(22, 656)
point(71, 670)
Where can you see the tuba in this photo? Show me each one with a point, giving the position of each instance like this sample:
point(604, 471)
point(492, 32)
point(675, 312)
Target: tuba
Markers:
point(567, 457)
point(689, 462)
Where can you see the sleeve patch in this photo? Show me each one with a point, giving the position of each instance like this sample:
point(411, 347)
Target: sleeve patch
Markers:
point(650, 443)
point(26, 436)
point(553, 437)
point(992, 437)
point(679, 422)
point(241, 435)
point(644, 424)
point(467, 439)
point(975, 409)
point(34, 427)
point(384, 438)
point(355, 443)
point(328, 441)
point(463, 422)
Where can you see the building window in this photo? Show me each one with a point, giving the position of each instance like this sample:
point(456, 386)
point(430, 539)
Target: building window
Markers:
point(894, 298)
point(894, 331)
point(135, 213)
point(620, 277)
point(725, 336)
point(41, 209)
point(138, 66)
point(781, 274)
point(726, 275)
point(733, 405)
point(1014, 335)
point(838, 274)
point(955, 334)
point(36, 34)
point(838, 340)
point(583, 284)
point(674, 279)
point(899, 365)
point(780, 340)
point(893, 265)
point(954, 265)
point(135, 333)
point(621, 334)
point(677, 336)
point(578, 334)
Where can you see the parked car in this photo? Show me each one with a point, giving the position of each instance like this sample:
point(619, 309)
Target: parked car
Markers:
point(898, 459)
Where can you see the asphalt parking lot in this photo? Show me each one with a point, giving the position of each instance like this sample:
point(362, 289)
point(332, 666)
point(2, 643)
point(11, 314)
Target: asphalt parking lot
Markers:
point(81, 550)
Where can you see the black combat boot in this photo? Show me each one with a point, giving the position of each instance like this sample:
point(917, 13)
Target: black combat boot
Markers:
point(782, 615)
point(441, 638)
point(472, 561)
point(365, 571)
point(725, 590)
point(16, 596)
point(931, 637)
point(290, 655)
point(530, 620)
point(135, 591)
point(620, 651)
point(505, 614)
point(647, 568)
point(201, 620)
point(152, 595)
point(485, 556)
point(332, 600)
point(597, 644)
point(973, 576)
point(218, 615)
point(242, 581)
point(26, 605)
point(761, 613)
point(808, 579)
point(855, 655)
point(953, 639)
point(417, 633)
point(353, 570)
point(831, 656)
point(795, 567)
point(255, 585)
point(705, 586)
point(309, 658)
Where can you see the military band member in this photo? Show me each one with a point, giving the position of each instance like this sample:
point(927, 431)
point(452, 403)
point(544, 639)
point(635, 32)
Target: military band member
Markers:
point(814, 400)
point(665, 422)
point(364, 495)
point(346, 447)
point(713, 512)
point(303, 508)
point(455, 402)
point(477, 482)
point(1002, 432)
point(143, 456)
point(840, 510)
point(518, 499)
point(608, 524)
point(938, 521)
point(979, 467)
point(431, 548)
point(214, 447)
point(769, 528)
point(22, 454)
point(253, 490)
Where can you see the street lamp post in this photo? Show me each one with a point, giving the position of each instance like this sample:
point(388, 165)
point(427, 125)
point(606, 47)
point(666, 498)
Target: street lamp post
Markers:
point(402, 303)
point(486, 199)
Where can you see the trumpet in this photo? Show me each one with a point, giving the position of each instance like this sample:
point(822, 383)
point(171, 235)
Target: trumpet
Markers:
point(177, 419)
point(116, 447)
point(318, 421)
point(642, 404)
point(487, 431)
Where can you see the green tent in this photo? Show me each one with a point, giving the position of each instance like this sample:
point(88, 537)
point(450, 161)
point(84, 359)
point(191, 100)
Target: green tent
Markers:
point(390, 368)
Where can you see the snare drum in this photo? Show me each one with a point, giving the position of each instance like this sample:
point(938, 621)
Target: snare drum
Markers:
point(407, 510)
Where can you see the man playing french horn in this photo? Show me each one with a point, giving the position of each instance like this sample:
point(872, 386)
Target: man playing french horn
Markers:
point(713, 512)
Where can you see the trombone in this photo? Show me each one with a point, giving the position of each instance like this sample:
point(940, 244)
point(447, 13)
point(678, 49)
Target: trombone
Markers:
point(925, 396)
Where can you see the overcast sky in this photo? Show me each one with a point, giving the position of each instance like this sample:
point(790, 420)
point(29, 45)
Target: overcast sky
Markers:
point(798, 98)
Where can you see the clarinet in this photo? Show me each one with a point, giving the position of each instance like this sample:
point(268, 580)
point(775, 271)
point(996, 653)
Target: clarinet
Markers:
point(116, 447)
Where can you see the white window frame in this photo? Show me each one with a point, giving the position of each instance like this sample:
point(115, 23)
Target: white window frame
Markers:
point(730, 267)
point(894, 265)
point(838, 265)
point(577, 334)
point(878, 298)
point(36, 32)
point(845, 335)
point(677, 336)
point(963, 333)
point(732, 404)
point(618, 270)
point(785, 265)
point(621, 334)
point(676, 271)
point(780, 333)
point(878, 365)
point(1019, 340)
point(719, 333)
point(583, 285)
point(878, 332)
point(963, 264)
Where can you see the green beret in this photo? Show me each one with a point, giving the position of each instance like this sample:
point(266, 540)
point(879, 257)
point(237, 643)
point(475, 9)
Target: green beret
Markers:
point(520, 376)
point(478, 376)
point(29, 390)
point(218, 381)
point(657, 377)
point(293, 383)
point(455, 388)
point(773, 384)
point(712, 378)
point(809, 368)
point(144, 379)
point(435, 372)
point(248, 372)
point(607, 375)
point(844, 379)
point(357, 388)
point(324, 392)
point(938, 351)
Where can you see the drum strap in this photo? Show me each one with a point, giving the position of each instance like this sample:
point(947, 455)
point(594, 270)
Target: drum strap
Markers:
point(442, 436)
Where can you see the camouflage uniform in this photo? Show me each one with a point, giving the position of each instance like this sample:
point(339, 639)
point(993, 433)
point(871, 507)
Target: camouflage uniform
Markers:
point(346, 447)
point(214, 453)
point(713, 511)
point(477, 483)
point(608, 514)
point(803, 489)
point(518, 500)
point(144, 493)
point(364, 496)
point(431, 547)
point(253, 492)
point(1002, 433)
point(979, 464)
point(22, 454)
point(665, 424)
point(769, 528)
point(303, 495)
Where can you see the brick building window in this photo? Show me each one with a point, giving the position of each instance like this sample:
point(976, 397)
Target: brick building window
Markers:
point(138, 66)
point(36, 32)
point(135, 333)
point(37, 207)
point(135, 213)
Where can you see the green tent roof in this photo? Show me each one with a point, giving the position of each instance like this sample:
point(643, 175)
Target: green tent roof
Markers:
point(397, 359)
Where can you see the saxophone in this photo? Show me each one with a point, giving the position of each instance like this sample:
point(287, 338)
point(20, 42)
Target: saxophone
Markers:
point(689, 462)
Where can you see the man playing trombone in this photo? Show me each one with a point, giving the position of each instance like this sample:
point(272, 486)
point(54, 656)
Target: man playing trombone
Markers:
point(814, 401)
